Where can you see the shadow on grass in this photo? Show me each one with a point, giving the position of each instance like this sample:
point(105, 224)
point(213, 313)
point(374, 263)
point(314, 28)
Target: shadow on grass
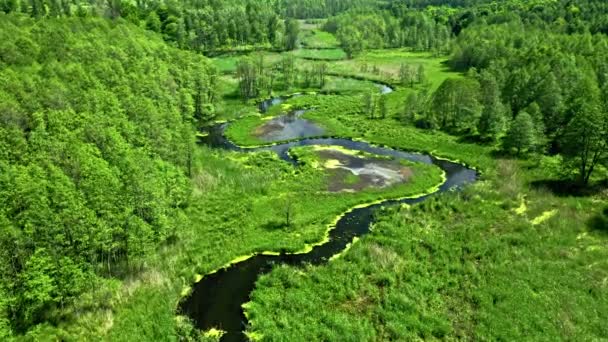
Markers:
point(276, 225)
point(474, 139)
point(566, 188)
point(599, 222)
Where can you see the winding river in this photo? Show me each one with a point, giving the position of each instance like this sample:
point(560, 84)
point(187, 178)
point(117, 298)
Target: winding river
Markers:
point(216, 301)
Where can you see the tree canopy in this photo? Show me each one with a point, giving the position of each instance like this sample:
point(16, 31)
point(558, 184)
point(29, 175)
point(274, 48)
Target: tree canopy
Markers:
point(97, 130)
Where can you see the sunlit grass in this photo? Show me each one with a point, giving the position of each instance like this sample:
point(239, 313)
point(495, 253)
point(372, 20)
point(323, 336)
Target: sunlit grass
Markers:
point(317, 39)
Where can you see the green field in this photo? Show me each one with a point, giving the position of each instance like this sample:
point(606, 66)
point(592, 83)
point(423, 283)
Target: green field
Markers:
point(388, 63)
point(316, 39)
point(227, 64)
point(320, 54)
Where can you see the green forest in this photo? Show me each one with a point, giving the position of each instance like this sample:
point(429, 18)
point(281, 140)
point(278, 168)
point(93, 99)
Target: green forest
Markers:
point(340, 170)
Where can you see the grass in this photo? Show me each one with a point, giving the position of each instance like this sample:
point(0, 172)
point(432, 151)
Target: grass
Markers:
point(317, 39)
point(227, 63)
point(343, 116)
point(334, 161)
point(388, 63)
point(449, 269)
point(232, 106)
point(330, 54)
point(351, 179)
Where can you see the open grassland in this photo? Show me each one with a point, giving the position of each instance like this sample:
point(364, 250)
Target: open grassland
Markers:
point(317, 39)
point(310, 24)
point(493, 262)
point(384, 65)
point(234, 107)
point(228, 62)
point(320, 54)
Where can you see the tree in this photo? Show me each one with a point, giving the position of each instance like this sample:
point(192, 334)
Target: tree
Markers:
point(382, 107)
point(492, 121)
point(369, 103)
point(521, 135)
point(38, 285)
point(539, 126)
point(5, 323)
point(246, 72)
point(287, 208)
point(89, 177)
point(455, 107)
point(292, 31)
point(350, 40)
point(551, 103)
point(411, 108)
point(153, 22)
point(321, 73)
point(288, 70)
point(406, 75)
point(585, 142)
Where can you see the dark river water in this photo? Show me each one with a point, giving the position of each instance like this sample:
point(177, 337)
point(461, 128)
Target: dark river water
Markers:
point(216, 300)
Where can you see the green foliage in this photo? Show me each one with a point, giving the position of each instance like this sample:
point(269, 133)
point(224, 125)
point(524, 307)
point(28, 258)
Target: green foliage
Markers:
point(320, 8)
point(321, 54)
point(158, 323)
point(357, 31)
point(346, 116)
point(97, 122)
point(455, 106)
point(492, 121)
point(197, 25)
point(521, 135)
point(292, 31)
point(316, 39)
point(95, 148)
point(382, 109)
point(351, 40)
point(586, 141)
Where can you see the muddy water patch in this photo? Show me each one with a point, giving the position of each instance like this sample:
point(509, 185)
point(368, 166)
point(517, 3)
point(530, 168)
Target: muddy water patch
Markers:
point(287, 127)
point(350, 170)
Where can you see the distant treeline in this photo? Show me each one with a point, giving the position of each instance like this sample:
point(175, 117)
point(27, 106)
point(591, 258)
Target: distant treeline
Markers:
point(203, 25)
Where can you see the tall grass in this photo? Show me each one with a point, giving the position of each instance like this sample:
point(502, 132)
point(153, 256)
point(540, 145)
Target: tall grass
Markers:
point(460, 266)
